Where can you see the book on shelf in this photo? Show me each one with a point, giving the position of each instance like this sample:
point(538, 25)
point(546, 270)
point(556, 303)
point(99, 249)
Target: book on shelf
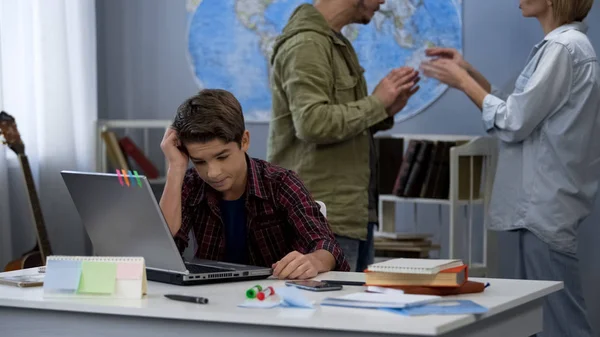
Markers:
point(120, 149)
point(418, 170)
point(405, 167)
point(146, 166)
point(441, 185)
point(115, 154)
point(392, 151)
point(424, 170)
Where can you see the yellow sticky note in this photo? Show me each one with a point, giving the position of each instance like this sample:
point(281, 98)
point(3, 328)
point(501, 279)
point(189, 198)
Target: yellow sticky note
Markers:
point(97, 277)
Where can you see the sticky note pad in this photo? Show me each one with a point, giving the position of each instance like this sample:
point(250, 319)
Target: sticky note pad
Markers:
point(97, 277)
point(129, 271)
point(62, 276)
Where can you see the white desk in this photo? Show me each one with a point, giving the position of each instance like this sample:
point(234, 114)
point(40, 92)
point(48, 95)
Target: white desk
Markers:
point(515, 309)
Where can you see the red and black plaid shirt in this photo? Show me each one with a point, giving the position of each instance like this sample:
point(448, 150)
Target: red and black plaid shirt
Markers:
point(281, 217)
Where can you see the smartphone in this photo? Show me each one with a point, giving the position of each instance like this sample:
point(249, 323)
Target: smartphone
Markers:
point(313, 285)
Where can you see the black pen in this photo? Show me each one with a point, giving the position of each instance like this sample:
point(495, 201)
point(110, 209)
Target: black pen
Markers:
point(192, 299)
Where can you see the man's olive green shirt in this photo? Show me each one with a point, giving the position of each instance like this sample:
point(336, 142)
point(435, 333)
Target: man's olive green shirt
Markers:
point(323, 120)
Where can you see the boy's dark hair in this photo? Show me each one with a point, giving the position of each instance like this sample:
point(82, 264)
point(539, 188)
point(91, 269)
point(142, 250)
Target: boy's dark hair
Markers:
point(211, 114)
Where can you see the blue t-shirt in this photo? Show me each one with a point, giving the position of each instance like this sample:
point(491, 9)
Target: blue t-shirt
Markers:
point(233, 213)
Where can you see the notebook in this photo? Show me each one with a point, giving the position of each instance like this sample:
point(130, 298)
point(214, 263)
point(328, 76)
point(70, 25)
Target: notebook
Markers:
point(95, 276)
point(379, 300)
point(415, 266)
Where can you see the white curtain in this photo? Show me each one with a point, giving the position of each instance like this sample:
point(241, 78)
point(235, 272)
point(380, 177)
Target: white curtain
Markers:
point(49, 84)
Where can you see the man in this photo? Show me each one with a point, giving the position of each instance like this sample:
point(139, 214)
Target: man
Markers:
point(240, 209)
point(324, 120)
point(549, 164)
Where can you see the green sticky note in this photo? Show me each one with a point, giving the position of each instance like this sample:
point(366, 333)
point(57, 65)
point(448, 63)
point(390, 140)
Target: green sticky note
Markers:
point(97, 277)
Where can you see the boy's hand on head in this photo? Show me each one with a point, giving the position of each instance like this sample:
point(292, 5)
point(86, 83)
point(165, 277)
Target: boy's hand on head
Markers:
point(296, 266)
point(169, 145)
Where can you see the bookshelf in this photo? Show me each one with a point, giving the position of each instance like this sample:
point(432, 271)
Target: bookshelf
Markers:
point(128, 126)
point(471, 158)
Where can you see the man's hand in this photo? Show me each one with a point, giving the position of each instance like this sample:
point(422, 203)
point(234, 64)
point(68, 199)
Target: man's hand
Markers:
point(447, 72)
point(403, 98)
point(397, 82)
point(169, 145)
point(448, 54)
point(296, 266)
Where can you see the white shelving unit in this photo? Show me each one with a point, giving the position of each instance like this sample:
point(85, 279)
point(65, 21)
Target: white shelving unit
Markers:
point(126, 125)
point(475, 146)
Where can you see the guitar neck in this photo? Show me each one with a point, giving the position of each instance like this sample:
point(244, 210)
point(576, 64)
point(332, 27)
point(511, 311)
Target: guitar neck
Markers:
point(34, 202)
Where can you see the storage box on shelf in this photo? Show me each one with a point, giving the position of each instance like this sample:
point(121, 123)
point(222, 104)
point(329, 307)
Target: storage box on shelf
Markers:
point(469, 174)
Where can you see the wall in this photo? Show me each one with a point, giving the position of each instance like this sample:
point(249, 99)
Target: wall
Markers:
point(144, 73)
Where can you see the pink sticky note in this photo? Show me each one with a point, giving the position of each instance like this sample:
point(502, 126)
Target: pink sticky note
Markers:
point(129, 271)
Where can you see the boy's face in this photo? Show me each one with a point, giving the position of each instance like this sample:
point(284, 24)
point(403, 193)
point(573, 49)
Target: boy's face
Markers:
point(221, 165)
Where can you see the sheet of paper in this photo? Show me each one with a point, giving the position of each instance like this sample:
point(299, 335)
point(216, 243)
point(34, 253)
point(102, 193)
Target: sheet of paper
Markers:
point(448, 307)
point(392, 297)
point(293, 297)
point(259, 304)
point(62, 276)
point(97, 277)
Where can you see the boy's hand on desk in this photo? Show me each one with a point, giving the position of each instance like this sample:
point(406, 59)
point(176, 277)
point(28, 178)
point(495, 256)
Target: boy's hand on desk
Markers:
point(296, 266)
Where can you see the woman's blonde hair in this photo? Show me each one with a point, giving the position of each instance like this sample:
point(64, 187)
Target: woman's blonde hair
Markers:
point(567, 11)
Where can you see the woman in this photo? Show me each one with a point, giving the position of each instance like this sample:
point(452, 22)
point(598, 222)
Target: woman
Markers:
point(549, 159)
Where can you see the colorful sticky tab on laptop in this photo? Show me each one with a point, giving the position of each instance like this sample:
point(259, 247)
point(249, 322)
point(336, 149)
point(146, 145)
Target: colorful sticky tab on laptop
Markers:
point(129, 178)
point(94, 276)
point(119, 176)
point(62, 276)
point(137, 178)
point(125, 177)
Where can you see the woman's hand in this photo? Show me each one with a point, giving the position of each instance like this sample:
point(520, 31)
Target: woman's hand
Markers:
point(446, 71)
point(448, 54)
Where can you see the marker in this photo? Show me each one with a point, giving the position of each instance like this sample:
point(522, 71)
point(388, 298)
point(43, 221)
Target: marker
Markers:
point(137, 177)
point(264, 294)
point(119, 176)
point(251, 293)
point(125, 176)
point(192, 299)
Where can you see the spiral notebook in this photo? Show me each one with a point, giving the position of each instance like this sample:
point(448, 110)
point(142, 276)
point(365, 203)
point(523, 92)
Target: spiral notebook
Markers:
point(414, 266)
point(95, 276)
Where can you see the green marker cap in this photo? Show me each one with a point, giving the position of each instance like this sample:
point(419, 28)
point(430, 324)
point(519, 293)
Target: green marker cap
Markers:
point(251, 293)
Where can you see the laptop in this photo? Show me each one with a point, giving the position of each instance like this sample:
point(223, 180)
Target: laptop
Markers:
point(122, 218)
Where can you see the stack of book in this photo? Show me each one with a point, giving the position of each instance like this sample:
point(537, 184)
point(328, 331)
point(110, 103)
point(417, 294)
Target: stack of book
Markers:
point(423, 276)
point(411, 245)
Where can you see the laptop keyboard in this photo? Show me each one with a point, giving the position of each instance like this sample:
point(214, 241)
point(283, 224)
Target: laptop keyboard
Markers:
point(200, 269)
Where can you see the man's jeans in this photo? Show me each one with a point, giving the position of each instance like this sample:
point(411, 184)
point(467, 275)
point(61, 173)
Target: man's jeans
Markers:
point(359, 253)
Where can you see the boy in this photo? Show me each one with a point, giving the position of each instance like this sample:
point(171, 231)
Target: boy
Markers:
point(241, 209)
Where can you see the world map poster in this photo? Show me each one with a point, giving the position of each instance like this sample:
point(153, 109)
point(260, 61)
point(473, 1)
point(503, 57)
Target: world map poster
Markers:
point(230, 43)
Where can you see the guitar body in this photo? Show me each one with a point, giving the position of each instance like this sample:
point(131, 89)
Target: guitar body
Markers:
point(37, 256)
point(30, 259)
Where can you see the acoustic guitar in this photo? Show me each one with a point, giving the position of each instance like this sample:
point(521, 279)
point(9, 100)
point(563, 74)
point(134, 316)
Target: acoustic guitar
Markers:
point(37, 256)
